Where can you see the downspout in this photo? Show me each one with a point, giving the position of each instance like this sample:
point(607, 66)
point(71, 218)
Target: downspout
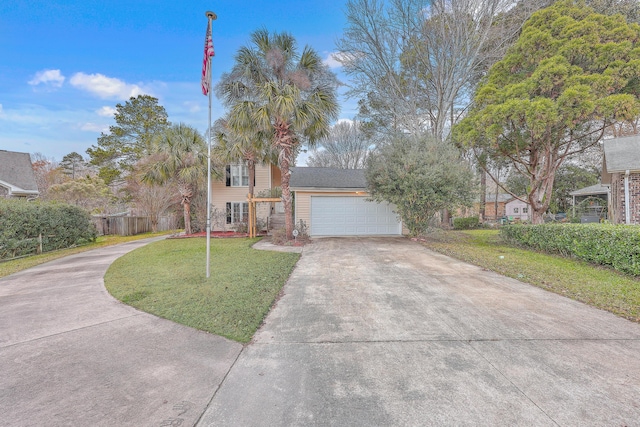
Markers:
point(627, 208)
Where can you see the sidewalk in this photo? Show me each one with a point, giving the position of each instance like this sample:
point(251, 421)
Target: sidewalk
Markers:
point(71, 355)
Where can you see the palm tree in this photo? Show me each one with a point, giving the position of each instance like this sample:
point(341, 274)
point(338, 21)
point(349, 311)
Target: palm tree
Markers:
point(288, 96)
point(179, 154)
point(249, 147)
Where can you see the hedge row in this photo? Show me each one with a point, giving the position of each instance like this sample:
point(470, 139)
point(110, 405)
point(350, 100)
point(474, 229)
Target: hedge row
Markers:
point(466, 223)
point(60, 225)
point(617, 246)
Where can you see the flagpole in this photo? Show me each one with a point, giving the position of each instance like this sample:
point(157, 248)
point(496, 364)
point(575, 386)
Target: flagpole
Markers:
point(210, 17)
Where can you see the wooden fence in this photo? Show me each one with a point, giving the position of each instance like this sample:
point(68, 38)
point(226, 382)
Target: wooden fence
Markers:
point(131, 225)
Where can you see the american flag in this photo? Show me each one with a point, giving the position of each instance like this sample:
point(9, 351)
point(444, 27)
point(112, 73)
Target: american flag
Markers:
point(206, 63)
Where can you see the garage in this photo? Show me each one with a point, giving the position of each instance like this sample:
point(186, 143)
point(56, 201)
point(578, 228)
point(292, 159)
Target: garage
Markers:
point(333, 202)
point(352, 216)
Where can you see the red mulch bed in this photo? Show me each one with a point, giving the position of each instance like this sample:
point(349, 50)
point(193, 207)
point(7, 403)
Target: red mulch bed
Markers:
point(214, 235)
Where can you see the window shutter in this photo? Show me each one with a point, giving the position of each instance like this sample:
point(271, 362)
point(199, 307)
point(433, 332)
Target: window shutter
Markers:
point(228, 212)
point(227, 170)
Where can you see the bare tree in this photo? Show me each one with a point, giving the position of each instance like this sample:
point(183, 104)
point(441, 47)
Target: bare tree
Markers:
point(47, 173)
point(150, 199)
point(346, 147)
point(413, 63)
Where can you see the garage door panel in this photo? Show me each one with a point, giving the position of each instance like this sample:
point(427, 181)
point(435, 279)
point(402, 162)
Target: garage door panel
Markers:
point(352, 216)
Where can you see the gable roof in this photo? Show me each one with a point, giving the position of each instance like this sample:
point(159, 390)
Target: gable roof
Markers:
point(16, 172)
point(502, 198)
point(334, 178)
point(591, 190)
point(622, 154)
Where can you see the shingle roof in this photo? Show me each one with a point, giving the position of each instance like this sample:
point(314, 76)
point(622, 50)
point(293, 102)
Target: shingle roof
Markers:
point(593, 189)
point(502, 198)
point(622, 154)
point(16, 170)
point(327, 178)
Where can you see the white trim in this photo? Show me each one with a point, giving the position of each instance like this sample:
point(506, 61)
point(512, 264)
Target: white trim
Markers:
point(627, 210)
point(17, 191)
point(244, 168)
point(242, 212)
point(358, 191)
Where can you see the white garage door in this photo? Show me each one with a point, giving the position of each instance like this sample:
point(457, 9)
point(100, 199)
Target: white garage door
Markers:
point(352, 216)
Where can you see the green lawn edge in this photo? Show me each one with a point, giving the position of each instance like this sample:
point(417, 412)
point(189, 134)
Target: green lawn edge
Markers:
point(167, 279)
point(597, 286)
point(16, 265)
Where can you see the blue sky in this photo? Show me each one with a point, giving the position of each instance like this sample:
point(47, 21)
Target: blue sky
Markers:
point(64, 65)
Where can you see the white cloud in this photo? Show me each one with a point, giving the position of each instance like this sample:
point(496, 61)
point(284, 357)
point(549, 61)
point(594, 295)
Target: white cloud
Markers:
point(50, 78)
point(94, 127)
point(105, 87)
point(107, 111)
point(1, 110)
point(331, 60)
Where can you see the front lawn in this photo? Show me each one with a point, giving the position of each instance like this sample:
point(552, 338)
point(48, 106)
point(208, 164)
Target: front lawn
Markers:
point(15, 265)
point(596, 286)
point(167, 279)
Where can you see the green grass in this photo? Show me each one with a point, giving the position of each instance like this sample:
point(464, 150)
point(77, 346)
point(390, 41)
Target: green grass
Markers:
point(13, 266)
point(596, 286)
point(167, 279)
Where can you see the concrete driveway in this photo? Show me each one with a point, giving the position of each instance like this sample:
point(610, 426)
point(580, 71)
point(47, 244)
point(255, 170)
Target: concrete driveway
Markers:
point(383, 332)
point(71, 355)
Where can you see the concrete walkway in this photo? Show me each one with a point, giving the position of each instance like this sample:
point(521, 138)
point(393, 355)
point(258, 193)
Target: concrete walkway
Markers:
point(383, 332)
point(71, 355)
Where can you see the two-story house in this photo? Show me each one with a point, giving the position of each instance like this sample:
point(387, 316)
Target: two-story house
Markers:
point(230, 208)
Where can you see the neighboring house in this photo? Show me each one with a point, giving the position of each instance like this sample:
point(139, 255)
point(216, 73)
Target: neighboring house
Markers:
point(16, 175)
point(621, 172)
point(333, 202)
point(517, 209)
point(493, 210)
point(594, 211)
point(230, 208)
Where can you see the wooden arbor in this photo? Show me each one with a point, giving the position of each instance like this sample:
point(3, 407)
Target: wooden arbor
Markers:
point(252, 211)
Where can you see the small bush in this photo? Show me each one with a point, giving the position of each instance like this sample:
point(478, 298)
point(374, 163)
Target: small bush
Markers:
point(279, 236)
point(617, 246)
point(59, 225)
point(466, 223)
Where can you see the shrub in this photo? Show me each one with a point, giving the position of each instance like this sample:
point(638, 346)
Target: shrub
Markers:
point(421, 177)
point(466, 223)
point(59, 225)
point(617, 246)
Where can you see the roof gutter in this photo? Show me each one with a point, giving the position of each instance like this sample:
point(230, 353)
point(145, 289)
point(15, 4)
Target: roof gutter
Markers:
point(627, 210)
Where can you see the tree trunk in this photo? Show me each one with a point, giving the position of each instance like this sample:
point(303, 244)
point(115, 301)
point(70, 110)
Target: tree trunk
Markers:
point(186, 204)
point(285, 141)
point(537, 217)
point(483, 194)
point(285, 162)
point(251, 165)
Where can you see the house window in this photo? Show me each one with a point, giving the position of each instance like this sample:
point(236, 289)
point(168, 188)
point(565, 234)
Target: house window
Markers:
point(237, 212)
point(237, 176)
point(525, 210)
point(516, 210)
